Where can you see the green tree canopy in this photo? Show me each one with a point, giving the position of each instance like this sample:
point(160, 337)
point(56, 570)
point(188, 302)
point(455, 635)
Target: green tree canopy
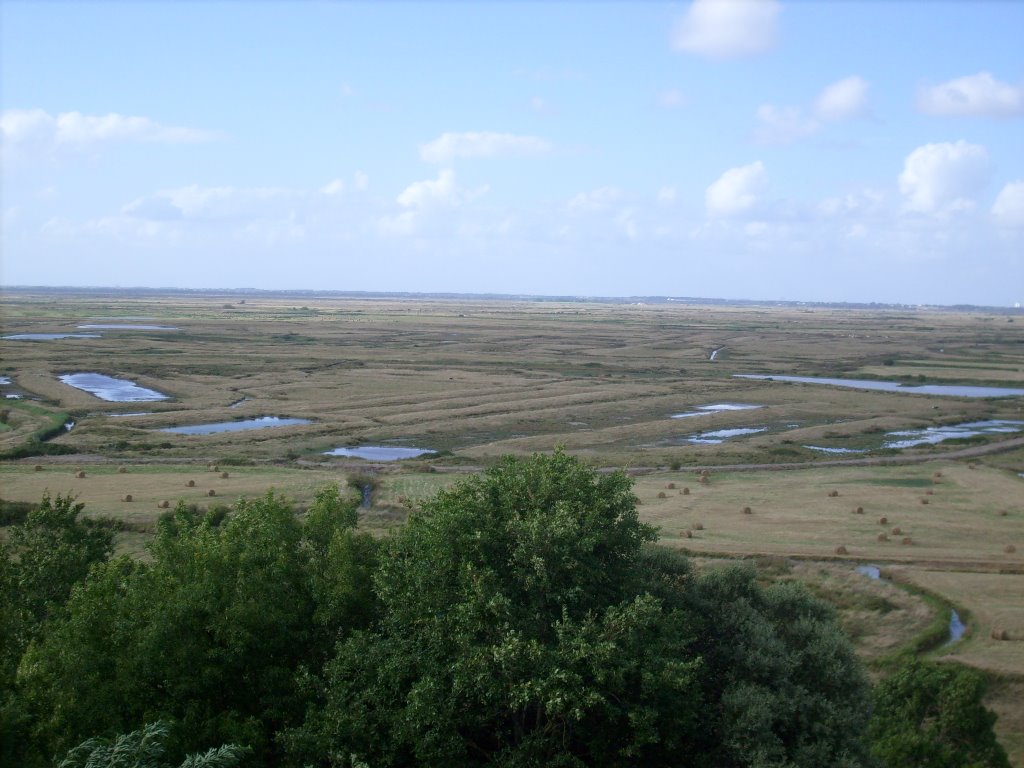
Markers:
point(524, 623)
point(930, 715)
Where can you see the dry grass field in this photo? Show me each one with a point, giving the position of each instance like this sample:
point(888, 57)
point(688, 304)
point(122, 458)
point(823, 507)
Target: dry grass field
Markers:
point(475, 379)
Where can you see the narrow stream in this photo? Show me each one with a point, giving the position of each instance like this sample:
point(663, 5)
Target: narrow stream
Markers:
point(956, 626)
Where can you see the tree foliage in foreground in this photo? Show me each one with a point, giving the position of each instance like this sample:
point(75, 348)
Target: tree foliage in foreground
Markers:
point(144, 748)
point(524, 624)
point(931, 716)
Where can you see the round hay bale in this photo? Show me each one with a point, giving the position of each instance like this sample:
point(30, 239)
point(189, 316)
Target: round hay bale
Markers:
point(79, 474)
point(1000, 634)
point(924, 500)
point(191, 484)
point(671, 486)
point(688, 534)
point(697, 527)
point(883, 521)
point(211, 492)
point(686, 491)
point(37, 468)
point(704, 473)
point(662, 495)
point(747, 511)
point(972, 466)
point(859, 511)
point(937, 475)
point(897, 531)
point(883, 537)
point(122, 470)
point(1002, 513)
point(164, 504)
point(126, 497)
point(833, 494)
point(841, 550)
point(1009, 549)
point(704, 480)
point(212, 467)
point(224, 475)
point(906, 541)
point(929, 492)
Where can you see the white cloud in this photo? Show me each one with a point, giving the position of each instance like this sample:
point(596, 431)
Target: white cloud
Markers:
point(671, 98)
point(1008, 209)
point(944, 177)
point(334, 187)
point(979, 95)
point(595, 200)
point(667, 195)
point(737, 190)
point(36, 126)
point(725, 29)
point(441, 191)
point(863, 202)
point(449, 146)
point(843, 100)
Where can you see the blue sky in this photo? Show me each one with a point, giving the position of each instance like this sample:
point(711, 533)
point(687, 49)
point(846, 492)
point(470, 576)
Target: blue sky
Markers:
point(819, 151)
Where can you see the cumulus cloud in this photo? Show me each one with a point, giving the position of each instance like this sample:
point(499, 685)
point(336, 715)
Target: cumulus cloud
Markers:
point(725, 29)
point(69, 129)
point(842, 100)
point(979, 95)
point(943, 177)
point(449, 146)
point(441, 191)
point(333, 187)
point(737, 190)
point(1008, 209)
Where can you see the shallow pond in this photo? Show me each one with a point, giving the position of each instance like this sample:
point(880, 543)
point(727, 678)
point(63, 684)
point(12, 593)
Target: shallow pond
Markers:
point(948, 390)
point(379, 452)
point(824, 449)
point(933, 435)
point(261, 422)
point(721, 435)
point(111, 389)
point(703, 410)
point(5, 379)
point(125, 327)
point(50, 336)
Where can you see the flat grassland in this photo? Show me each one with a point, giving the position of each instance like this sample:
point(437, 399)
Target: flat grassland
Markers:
point(476, 379)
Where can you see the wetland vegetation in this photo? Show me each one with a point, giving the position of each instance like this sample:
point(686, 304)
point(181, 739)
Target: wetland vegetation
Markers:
point(476, 380)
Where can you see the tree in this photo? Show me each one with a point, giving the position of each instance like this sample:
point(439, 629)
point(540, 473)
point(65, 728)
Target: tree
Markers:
point(144, 748)
point(524, 623)
point(931, 715)
point(215, 635)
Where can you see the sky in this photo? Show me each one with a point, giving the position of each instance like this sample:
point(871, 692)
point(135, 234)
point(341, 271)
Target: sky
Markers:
point(738, 149)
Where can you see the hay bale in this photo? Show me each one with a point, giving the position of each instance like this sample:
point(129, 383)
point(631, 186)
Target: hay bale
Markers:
point(897, 531)
point(211, 492)
point(212, 467)
point(747, 511)
point(924, 500)
point(883, 537)
point(1009, 549)
point(704, 473)
point(671, 486)
point(972, 466)
point(1000, 634)
point(79, 474)
point(883, 521)
point(223, 475)
point(859, 511)
point(126, 497)
point(122, 470)
point(704, 480)
point(662, 495)
point(191, 484)
point(37, 468)
point(937, 475)
point(906, 541)
point(841, 550)
point(697, 527)
point(164, 504)
point(686, 491)
point(688, 534)
point(1002, 513)
point(929, 492)
point(833, 494)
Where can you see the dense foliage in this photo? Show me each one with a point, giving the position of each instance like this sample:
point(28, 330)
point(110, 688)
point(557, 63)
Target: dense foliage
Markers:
point(523, 617)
